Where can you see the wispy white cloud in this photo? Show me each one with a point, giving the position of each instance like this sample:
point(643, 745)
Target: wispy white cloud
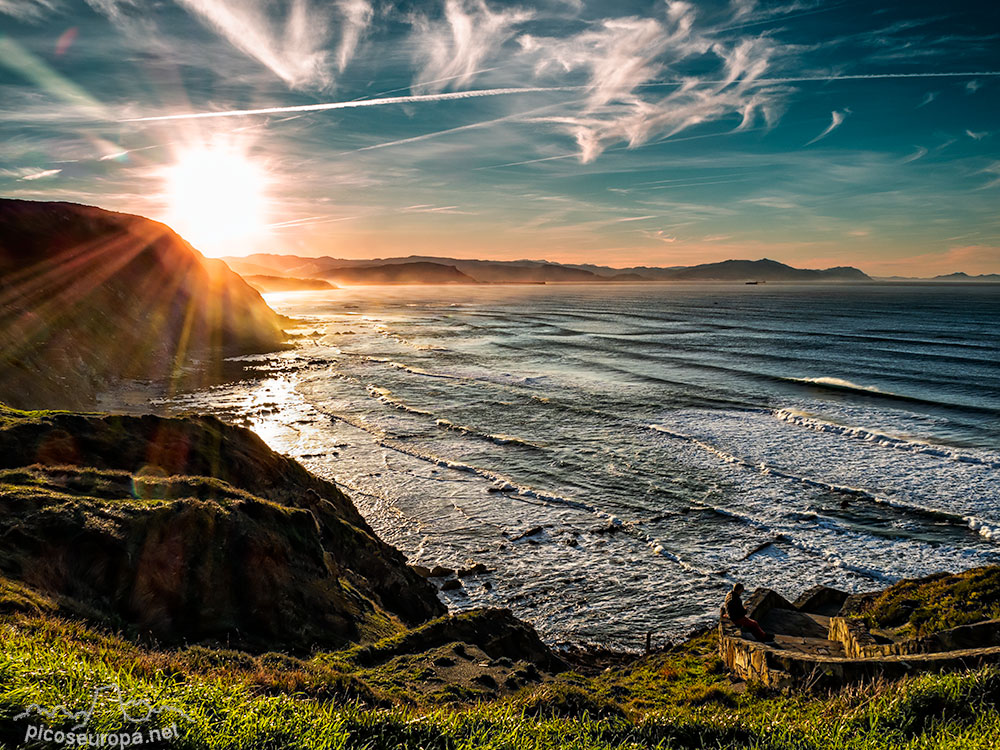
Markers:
point(451, 49)
point(310, 221)
point(920, 153)
point(772, 202)
point(428, 208)
point(28, 10)
point(747, 13)
point(625, 57)
point(626, 219)
point(450, 131)
point(295, 50)
point(928, 98)
point(357, 17)
point(973, 86)
point(29, 173)
point(128, 15)
point(836, 120)
point(992, 169)
point(42, 174)
point(977, 136)
point(859, 77)
point(661, 236)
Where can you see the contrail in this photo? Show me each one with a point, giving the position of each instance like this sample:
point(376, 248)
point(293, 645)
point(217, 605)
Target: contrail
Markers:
point(474, 94)
point(478, 93)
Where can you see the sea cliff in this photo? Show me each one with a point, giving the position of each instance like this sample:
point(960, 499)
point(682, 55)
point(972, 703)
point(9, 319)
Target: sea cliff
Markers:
point(89, 297)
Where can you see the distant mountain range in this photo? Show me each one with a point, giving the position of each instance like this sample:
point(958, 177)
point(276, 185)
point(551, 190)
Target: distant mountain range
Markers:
point(959, 276)
point(431, 270)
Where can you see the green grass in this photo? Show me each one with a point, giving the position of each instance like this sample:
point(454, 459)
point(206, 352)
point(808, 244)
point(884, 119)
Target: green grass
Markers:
point(61, 485)
point(927, 605)
point(679, 699)
point(9, 415)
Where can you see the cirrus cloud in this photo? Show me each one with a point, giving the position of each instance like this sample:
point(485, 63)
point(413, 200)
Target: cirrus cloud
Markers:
point(624, 58)
point(451, 49)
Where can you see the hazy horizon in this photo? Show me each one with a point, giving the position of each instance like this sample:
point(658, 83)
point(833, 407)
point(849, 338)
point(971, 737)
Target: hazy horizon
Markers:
point(581, 131)
point(542, 260)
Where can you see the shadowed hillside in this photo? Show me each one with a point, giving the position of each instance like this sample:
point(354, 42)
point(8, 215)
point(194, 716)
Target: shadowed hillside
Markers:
point(96, 295)
point(762, 270)
point(265, 284)
point(401, 273)
point(191, 529)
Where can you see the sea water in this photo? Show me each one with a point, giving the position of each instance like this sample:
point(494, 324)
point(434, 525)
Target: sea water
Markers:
point(618, 455)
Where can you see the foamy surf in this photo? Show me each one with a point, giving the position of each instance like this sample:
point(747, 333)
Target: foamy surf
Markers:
point(803, 419)
point(459, 426)
point(913, 501)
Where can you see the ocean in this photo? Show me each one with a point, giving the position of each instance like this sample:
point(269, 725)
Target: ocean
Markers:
point(618, 455)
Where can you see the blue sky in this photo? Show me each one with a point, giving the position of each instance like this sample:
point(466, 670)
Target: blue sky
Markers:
point(620, 133)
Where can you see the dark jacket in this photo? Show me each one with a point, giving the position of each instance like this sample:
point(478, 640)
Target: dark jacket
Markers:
point(734, 606)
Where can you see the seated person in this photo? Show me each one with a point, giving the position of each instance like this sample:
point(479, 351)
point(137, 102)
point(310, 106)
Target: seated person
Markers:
point(738, 614)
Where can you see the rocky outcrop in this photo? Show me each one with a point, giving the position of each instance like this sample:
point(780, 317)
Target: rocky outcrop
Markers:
point(816, 643)
point(189, 530)
point(265, 284)
point(494, 631)
point(89, 296)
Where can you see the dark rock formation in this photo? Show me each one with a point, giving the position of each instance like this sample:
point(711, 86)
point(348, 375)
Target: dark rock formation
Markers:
point(495, 631)
point(88, 296)
point(266, 284)
point(190, 529)
point(401, 273)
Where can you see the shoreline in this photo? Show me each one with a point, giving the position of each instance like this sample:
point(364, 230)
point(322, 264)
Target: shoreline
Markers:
point(343, 429)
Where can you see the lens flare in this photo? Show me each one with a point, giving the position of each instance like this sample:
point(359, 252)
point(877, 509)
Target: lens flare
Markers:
point(216, 199)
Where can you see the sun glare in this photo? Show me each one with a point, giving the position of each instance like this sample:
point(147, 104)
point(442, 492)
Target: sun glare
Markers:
point(216, 199)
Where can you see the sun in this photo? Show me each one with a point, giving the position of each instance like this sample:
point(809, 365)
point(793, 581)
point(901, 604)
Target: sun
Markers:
point(216, 199)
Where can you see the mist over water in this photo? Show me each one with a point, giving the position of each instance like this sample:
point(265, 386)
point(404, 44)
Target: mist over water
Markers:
point(667, 439)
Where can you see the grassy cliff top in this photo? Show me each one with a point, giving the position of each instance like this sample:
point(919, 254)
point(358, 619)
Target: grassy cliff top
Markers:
point(922, 606)
point(189, 529)
point(679, 699)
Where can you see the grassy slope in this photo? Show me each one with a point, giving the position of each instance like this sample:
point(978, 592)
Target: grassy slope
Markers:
point(349, 699)
point(926, 605)
point(189, 528)
point(677, 699)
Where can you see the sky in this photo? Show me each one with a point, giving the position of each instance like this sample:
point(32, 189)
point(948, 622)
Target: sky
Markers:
point(615, 132)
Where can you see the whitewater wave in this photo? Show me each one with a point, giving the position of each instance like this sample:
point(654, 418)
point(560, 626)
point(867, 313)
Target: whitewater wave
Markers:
point(985, 528)
point(501, 483)
point(402, 366)
point(786, 536)
point(500, 439)
point(804, 419)
point(839, 385)
point(845, 385)
point(385, 396)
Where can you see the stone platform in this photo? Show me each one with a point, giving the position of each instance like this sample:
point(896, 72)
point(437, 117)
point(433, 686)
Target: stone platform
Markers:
point(815, 647)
